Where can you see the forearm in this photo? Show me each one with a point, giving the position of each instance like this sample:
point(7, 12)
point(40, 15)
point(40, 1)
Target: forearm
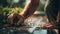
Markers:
point(30, 8)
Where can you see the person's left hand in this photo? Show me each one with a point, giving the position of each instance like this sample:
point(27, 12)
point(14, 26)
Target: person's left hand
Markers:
point(47, 25)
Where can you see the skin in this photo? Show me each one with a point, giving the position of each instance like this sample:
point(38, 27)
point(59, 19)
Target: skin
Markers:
point(30, 8)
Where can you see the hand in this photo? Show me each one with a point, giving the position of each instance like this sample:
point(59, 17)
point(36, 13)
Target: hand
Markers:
point(15, 18)
point(47, 25)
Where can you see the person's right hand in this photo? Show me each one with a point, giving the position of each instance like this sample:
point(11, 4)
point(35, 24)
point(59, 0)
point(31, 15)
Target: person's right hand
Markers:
point(15, 18)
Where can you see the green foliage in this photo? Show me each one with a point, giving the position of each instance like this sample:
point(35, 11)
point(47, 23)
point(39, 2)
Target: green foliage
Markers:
point(22, 2)
point(12, 3)
point(5, 12)
point(40, 7)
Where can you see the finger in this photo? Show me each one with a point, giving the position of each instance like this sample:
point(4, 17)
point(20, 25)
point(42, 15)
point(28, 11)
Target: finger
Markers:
point(10, 18)
point(49, 26)
point(20, 21)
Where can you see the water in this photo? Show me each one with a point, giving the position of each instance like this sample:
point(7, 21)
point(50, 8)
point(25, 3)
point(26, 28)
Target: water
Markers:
point(7, 31)
point(41, 31)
